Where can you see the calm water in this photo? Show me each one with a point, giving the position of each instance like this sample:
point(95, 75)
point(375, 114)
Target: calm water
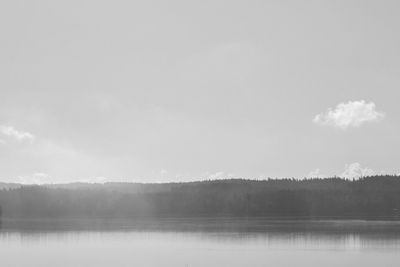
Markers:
point(200, 243)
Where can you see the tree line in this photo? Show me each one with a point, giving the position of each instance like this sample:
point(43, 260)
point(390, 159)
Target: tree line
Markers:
point(369, 197)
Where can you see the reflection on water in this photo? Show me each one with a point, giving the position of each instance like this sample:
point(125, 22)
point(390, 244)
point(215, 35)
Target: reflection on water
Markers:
point(222, 242)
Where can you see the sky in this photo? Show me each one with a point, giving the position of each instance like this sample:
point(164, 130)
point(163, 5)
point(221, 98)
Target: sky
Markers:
point(157, 91)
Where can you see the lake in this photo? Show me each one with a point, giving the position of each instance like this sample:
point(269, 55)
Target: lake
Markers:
point(200, 242)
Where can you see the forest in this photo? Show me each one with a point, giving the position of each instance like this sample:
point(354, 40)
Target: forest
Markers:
point(369, 197)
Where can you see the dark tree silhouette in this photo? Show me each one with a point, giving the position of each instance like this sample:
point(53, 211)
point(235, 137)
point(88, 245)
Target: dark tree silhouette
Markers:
point(369, 197)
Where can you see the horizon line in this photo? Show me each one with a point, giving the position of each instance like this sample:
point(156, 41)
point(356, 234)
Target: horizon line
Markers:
point(201, 180)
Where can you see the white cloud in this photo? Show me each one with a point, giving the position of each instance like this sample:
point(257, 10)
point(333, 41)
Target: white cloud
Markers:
point(36, 178)
point(18, 135)
point(216, 176)
point(355, 170)
point(219, 175)
point(350, 114)
point(351, 171)
point(316, 174)
point(95, 180)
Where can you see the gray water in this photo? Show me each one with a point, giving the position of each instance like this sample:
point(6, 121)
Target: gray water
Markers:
point(227, 242)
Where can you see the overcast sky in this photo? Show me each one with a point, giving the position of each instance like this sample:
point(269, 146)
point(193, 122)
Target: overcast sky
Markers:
point(94, 90)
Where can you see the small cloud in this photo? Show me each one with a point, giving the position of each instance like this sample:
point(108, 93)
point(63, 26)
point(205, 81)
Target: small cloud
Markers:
point(355, 170)
point(316, 174)
point(350, 114)
point(95, 180)
point(36, 178)
point(219, 175)
point(216, 176)
point(18, 135)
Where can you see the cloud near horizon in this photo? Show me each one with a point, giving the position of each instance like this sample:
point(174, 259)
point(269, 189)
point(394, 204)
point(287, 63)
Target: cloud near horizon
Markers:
point(18, 135)
point(41, 178)
point(355, 170)
point(351, 171)
point(219, 175)
point(316, 174)
point(350, 114)
point(37, 178)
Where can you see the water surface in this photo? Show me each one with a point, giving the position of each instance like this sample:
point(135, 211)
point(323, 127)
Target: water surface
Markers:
point(195, 242)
